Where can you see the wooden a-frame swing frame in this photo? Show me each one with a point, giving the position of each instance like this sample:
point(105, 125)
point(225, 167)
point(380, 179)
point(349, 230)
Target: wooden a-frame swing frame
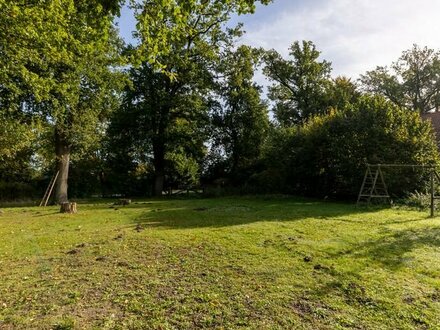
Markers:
point(374, 186)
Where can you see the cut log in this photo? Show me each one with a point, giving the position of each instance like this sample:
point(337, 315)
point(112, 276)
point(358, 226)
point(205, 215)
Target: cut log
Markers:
point(68, 208)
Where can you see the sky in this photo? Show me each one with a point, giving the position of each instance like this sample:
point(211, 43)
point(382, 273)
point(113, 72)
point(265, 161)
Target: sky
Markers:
point(354, 35)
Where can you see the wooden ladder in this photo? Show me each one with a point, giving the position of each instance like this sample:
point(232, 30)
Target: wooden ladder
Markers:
point(49, 189)
point(373, 186)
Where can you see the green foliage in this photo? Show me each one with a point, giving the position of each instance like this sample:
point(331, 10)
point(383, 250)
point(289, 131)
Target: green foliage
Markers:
point(18, 166)
point(240, 119)
point(183, 169)
point(61, 66)
point(15, 137)
point(60, 60)
point(54, 48)
point(300, 83)
point(161, 121)
point(280, 152)
point(413, 80)
point(418, 200)
point(174, 22)
point(328, 155)
point(191, 91)
point(87, 177)
point(342, 93)
point(169, 108)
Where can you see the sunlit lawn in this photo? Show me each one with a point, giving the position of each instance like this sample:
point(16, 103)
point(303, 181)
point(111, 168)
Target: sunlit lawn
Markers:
point(258, 263)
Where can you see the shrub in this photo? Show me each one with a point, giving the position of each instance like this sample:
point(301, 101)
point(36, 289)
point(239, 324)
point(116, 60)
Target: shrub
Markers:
point(328, 155)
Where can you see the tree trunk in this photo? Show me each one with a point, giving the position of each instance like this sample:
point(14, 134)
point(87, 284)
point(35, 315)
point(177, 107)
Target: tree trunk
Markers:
point(62, 150)
point(159, 146)
point(235, 155)
point(159, 166)
point(159, 180)
point(102, 181)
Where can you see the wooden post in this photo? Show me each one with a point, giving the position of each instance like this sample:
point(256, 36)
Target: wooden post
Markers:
point(432, 193)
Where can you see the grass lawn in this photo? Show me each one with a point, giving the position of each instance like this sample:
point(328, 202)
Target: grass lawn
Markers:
point(228, 263)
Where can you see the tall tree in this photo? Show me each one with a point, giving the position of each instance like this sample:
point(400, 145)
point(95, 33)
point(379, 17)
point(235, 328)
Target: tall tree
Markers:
point(300, 83)
point(413, 81)
point(160, 118)
point(60, 68)
point(172, 86)
point(240, 119)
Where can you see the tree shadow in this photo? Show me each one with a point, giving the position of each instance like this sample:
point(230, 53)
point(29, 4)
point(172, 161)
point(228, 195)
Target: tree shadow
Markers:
point(393, 250)
point(113, 204)
point(239, 211)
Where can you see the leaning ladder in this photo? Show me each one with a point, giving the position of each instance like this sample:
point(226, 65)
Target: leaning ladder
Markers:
point(49, 190)
point(373, 185)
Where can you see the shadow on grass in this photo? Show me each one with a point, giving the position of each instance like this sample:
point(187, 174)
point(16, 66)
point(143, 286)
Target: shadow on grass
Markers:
point(98, 206)
point(39, 215)
point(393, 250)
point(238, 211)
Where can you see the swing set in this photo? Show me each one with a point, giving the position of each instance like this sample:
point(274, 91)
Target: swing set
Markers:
point(374, 186)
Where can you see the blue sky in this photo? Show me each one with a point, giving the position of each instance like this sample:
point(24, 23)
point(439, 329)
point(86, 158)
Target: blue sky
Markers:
point(355, 35)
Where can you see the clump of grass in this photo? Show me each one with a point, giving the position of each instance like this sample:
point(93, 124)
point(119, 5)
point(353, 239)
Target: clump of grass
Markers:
point(419, 200)
point(66, 323)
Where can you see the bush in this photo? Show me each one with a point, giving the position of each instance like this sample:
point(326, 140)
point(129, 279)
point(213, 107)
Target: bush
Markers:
point(328, 155)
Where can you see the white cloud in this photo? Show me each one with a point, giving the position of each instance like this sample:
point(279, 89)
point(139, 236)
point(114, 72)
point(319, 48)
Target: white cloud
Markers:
point(355, 35)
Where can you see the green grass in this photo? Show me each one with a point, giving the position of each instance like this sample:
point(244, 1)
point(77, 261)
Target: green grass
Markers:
point(258, 263)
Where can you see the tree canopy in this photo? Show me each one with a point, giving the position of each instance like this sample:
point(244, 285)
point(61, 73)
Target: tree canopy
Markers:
point(412, 81)
point(300, 83)
point(60, 69)
point(162, 24)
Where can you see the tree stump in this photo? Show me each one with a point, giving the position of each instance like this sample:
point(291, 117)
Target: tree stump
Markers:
point(68, 208)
